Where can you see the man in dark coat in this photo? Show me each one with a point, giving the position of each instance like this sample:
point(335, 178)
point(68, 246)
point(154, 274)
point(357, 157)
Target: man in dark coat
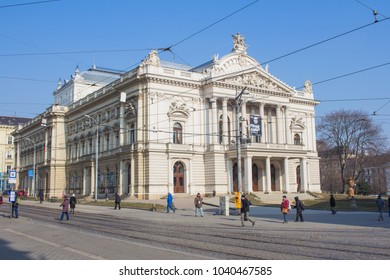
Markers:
point(245, 203)
point(117, 201)
point(332, 203)
point(299, 207)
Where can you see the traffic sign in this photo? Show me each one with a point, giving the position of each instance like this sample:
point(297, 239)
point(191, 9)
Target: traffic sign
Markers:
point(12, 174)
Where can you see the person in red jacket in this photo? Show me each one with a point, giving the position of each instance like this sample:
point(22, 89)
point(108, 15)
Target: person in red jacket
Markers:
point(284, 208)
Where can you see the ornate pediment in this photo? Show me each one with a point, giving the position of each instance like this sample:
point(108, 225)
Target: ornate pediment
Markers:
point(232, 63)
point(179, 108)
point(297, 122)
point(256, 80)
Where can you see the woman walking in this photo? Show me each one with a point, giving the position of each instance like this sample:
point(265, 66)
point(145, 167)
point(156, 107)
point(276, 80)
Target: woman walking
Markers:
point(65, 208)
point(284, 208)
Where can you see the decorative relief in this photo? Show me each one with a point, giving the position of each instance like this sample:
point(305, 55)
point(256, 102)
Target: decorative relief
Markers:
point(254, 80)
point(179, 106)
point(297, 122)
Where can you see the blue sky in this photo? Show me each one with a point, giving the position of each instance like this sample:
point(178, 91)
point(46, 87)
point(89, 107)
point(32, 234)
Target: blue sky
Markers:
point(272, 28)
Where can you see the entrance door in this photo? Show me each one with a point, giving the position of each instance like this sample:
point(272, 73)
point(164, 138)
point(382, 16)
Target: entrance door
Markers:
point(178, 177)
point(255, 178)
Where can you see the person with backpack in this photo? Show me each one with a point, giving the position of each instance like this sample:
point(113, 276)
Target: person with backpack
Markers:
point(72, 203)
point(299, 207)
point(245, 203)
point(332, 203)
point(117, 201)
point(15, 206)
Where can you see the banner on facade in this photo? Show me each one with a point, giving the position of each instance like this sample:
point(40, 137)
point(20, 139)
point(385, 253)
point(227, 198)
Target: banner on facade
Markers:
point(255, 125)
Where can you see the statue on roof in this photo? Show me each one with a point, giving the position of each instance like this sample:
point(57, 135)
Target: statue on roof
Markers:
point(152, 59)
point(308, 87)
point(239, 43)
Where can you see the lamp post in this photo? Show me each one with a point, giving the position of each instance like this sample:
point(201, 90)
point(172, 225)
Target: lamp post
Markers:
point(34, 162)
point(239, 137)
point(96, 156)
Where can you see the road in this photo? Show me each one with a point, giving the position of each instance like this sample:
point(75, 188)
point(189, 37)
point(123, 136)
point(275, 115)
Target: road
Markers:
point(103, 233)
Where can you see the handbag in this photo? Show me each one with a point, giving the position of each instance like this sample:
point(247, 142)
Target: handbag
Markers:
point(284, 210)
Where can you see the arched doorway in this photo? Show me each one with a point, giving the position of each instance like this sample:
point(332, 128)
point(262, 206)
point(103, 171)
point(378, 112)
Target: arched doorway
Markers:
point(178, 177)
point(273, 178)
point(298, 176)
point(235, 177)
point(255, 178)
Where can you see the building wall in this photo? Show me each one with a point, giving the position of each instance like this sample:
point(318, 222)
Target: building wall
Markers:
point(138, 115)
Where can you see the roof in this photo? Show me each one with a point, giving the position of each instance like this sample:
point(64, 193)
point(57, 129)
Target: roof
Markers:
point(13, 121)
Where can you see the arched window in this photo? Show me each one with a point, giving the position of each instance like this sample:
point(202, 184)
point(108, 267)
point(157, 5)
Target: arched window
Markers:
point(132, 134)
point(177, 133)
point(221, 131)
point(297, 139)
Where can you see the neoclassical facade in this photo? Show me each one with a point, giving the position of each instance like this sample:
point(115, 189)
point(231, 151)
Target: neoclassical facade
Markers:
point(167, 127)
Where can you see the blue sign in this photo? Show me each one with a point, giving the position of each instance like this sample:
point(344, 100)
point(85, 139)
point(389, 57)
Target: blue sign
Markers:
point(30, 173)
point(12, 174)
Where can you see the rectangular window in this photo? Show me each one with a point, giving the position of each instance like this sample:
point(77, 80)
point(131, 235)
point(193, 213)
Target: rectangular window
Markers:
point(10, 140)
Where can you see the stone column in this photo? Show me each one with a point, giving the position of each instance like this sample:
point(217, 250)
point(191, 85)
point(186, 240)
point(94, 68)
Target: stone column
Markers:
point(269, 125)
point(268, 175)
point(286, 176)
point(248, 174)
point(215, 122)
point(313, 131)
point(120, 179)
point(225, 121)
point(287, 126)
point(261, 110)
point(279, 125)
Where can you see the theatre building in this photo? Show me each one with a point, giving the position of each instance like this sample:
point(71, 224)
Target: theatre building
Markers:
point(163, 127)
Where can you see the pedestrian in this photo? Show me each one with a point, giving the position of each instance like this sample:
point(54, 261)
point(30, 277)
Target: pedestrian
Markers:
point(117, 201)
point(300, 208)
point(72, 202)
point(388, 204)
point(198, 201)
point(170, 203)
point(380, 203)
point(332, 203)
point(15, 206)
point(40, 195)
point(106, 194)
point(284, 208)
point(65, 208)
point(245, 203)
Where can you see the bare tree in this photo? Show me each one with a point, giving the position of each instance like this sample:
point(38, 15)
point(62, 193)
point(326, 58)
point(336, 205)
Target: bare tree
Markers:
point(353, 136)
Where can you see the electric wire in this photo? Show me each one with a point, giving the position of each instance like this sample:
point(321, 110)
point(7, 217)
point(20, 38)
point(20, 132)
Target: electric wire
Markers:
point(27, 3)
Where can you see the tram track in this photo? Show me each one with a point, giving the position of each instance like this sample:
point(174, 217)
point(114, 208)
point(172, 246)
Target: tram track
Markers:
point(216, 241)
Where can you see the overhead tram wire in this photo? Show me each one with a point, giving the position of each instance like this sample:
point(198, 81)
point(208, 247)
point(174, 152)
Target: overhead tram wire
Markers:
point(326, 40)
point(27, 3)
point(349, 74)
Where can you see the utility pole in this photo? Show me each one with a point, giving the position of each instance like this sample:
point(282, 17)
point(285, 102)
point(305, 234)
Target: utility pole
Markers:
point(239, 136)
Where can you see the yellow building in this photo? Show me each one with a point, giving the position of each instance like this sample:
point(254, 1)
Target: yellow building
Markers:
point(7, 152)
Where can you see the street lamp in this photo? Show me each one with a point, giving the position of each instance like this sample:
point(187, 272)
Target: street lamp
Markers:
point(239, 136)
point(34, 162)
point(97, 155)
